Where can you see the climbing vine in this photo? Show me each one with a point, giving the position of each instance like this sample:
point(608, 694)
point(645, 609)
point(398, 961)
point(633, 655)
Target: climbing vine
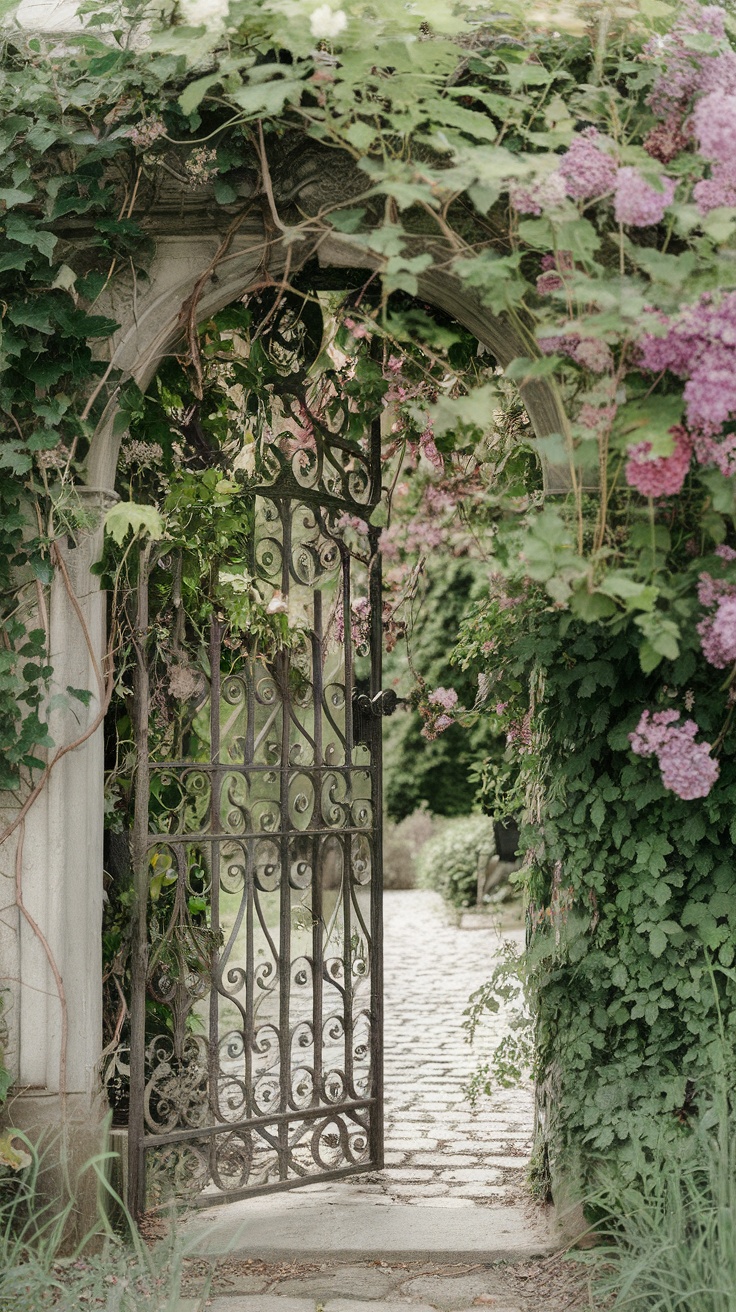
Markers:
point(575, 173)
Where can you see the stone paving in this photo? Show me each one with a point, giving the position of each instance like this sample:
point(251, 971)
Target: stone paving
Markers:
point(439, 1152)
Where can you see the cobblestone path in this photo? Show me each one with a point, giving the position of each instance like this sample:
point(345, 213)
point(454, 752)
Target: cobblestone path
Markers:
point(438, 1151)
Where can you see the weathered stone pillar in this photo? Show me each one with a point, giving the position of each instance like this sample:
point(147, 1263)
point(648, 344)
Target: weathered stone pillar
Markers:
point(51, 944)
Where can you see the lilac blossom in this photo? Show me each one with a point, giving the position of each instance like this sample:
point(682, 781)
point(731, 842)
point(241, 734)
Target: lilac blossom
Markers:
point(544, 193)
point(717, 190)
point(699, 345)
point(687, 767)
point(717, 630)
point(553, 267)
point(665, 141)
point(590, 352)
point(637, 203)
point(444, 697)
point(586, 167)
point(685, 72)
point(596, 419)
point(714, 125)
point(429, 450)
point(659, 476)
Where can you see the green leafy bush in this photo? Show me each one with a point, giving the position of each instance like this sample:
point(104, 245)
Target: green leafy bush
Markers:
point(448, 863)
point(437, 774)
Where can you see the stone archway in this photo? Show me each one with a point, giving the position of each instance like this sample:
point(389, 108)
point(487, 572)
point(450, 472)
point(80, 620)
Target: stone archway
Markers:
point(200, 253)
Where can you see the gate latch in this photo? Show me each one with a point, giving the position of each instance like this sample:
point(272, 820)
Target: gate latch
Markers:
point(366, 710)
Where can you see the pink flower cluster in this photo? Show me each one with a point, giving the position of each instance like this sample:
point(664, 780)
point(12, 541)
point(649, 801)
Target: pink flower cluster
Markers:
point(687, 72)
point(519, 734)
point(699, 344)
point(714, 125)
point(553, 267)
point(717, 630)
point(544, 193)
point(659, 476)
point(586, 167)
point(590, 352)
point(444, 699)
point(428, 448)
point(638, 203)
point(360, 621)
point(665, 141)
point(146, 132)
point(596, 419)
point(688, 769)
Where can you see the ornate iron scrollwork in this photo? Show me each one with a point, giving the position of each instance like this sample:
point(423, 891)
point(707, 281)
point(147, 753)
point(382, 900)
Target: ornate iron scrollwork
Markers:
point(261, 855)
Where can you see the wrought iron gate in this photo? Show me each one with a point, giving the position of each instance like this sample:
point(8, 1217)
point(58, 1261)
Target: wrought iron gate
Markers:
point(265, 967)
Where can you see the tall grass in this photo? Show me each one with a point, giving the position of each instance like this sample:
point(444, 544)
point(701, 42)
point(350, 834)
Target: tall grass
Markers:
point(114, 1272)
point(672, 1245)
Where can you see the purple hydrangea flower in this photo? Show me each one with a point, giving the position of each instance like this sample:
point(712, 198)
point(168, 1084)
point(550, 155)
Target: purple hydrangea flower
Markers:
point(588, 170)
point(688, 769)
point(659, 476)
point(719, 189)
point(714, 125)
point(544, 193)
point(699, 345)
point(639, 204)
point(444, 697)
point(687, 72)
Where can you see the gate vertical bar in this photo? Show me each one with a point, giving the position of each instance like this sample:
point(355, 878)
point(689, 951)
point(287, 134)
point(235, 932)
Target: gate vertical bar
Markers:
point(139, 856)
point(282, 666)
point(318, 853)
point(215, 654)
point(375, 594)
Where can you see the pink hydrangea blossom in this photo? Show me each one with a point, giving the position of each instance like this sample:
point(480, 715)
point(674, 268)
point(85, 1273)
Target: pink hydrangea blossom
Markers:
point(429, 449)
point(544, 193)
point(717, 630)
point(714, 125)
point(652, 731)
point(587, 168)
point(594, 354)
point(687, 72)
point(665, 141)
point(723, 629)
point(590, 352)
point(659, 476)
point(717, 190)
point(358, 330)
point(687, 767)
point(596, 419)
point(717, 633)
point(553, 267)
point(699, 345)
point(444, 697)
point(549, 282)
point(637, 203)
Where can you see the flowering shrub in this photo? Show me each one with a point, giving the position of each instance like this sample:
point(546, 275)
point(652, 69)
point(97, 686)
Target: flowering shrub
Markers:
point(576, 176)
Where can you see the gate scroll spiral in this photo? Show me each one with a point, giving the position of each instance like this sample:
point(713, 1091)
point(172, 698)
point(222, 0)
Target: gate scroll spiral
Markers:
point(266, 961)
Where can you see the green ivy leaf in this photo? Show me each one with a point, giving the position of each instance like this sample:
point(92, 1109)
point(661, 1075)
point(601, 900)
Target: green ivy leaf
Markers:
point(129, 516)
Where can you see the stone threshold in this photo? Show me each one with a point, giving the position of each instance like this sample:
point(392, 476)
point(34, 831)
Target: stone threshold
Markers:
point(289, 1227)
